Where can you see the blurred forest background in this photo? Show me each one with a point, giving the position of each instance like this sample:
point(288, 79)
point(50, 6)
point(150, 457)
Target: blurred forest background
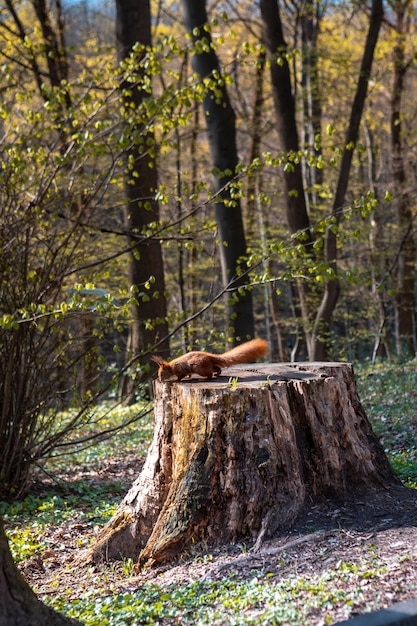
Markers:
point(188, 175)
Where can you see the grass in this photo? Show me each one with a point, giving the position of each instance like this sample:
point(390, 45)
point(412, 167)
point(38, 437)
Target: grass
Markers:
point(234, 602)
point(76, 498)
point(133, 438)
point(388, 392)
point(33, 526)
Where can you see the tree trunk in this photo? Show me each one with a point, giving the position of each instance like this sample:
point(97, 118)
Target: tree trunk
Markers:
point(310, 19)
point(332, 288)
point(252, 181)
point(377, 255)
point(255, 217)
point(239, 457)
point(19, 606)
point(221, 126)
point(149, 312)
point(54, 42)
point(405, 334)
point(284, 105)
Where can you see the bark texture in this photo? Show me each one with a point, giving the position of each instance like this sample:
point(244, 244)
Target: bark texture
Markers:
point(239, 457)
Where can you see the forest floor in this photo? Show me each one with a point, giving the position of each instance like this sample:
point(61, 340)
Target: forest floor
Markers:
point(337, 561)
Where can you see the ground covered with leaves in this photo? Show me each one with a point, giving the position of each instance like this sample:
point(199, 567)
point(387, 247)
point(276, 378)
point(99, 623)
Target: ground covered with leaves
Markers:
point(337, 561)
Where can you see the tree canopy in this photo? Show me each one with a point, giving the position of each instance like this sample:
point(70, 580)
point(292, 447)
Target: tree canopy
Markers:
point(108, 162)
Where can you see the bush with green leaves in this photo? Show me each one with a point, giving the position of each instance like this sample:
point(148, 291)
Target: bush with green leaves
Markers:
point(58, 191)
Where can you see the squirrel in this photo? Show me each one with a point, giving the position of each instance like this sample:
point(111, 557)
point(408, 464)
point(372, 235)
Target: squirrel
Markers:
point(208, 365)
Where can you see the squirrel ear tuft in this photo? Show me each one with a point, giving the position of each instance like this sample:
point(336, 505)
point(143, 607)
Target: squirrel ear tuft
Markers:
point(158, 360)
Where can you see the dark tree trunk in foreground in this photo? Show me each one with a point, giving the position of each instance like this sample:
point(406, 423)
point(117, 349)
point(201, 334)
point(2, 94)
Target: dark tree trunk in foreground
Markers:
point(221, 127)
point(149, 313)
point(233, 461)
point(18, 604)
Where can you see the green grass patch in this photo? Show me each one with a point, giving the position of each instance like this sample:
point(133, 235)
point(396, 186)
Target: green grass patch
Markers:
point(294, 600)
point(56, 509)
point(135, 434)
point(74, 499)
point(388, 393)
point(27, 521)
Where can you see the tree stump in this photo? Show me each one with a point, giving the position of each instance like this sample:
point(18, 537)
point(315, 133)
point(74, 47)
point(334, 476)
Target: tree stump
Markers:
point(239, 457)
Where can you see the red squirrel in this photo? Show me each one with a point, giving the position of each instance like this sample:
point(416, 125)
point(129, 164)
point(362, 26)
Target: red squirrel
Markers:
point(208, 365)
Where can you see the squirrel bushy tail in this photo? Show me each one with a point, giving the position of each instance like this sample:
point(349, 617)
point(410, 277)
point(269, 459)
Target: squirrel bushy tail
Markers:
point(244, 353)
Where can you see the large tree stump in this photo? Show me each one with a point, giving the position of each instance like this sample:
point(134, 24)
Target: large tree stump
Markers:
point(239, 456)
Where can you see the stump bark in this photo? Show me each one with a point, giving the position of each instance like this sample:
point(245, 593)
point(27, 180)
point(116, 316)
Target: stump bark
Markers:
point(239, 457)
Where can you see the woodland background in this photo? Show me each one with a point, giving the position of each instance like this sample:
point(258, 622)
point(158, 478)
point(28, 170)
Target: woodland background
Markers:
point(189, 175)
point(181, 176)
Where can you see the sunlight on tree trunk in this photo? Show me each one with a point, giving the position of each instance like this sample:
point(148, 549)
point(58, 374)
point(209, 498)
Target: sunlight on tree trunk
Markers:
point(377, 255)
point(311, 98)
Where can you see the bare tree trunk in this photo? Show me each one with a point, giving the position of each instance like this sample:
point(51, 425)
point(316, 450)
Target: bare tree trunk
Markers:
point(220, 120)
point(149, 323)
point(284, 104)
point(405, 333)
point(256, 218)
point(192, 253)
point(233, 462)
point(332, 288)
point(297, 216)
point(312, 113)
point(254, 151)
point(55, 51)
point(18, 605)
point(377, 256)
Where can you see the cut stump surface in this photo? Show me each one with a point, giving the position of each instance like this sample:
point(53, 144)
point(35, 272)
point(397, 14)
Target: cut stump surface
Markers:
point(240, 456)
